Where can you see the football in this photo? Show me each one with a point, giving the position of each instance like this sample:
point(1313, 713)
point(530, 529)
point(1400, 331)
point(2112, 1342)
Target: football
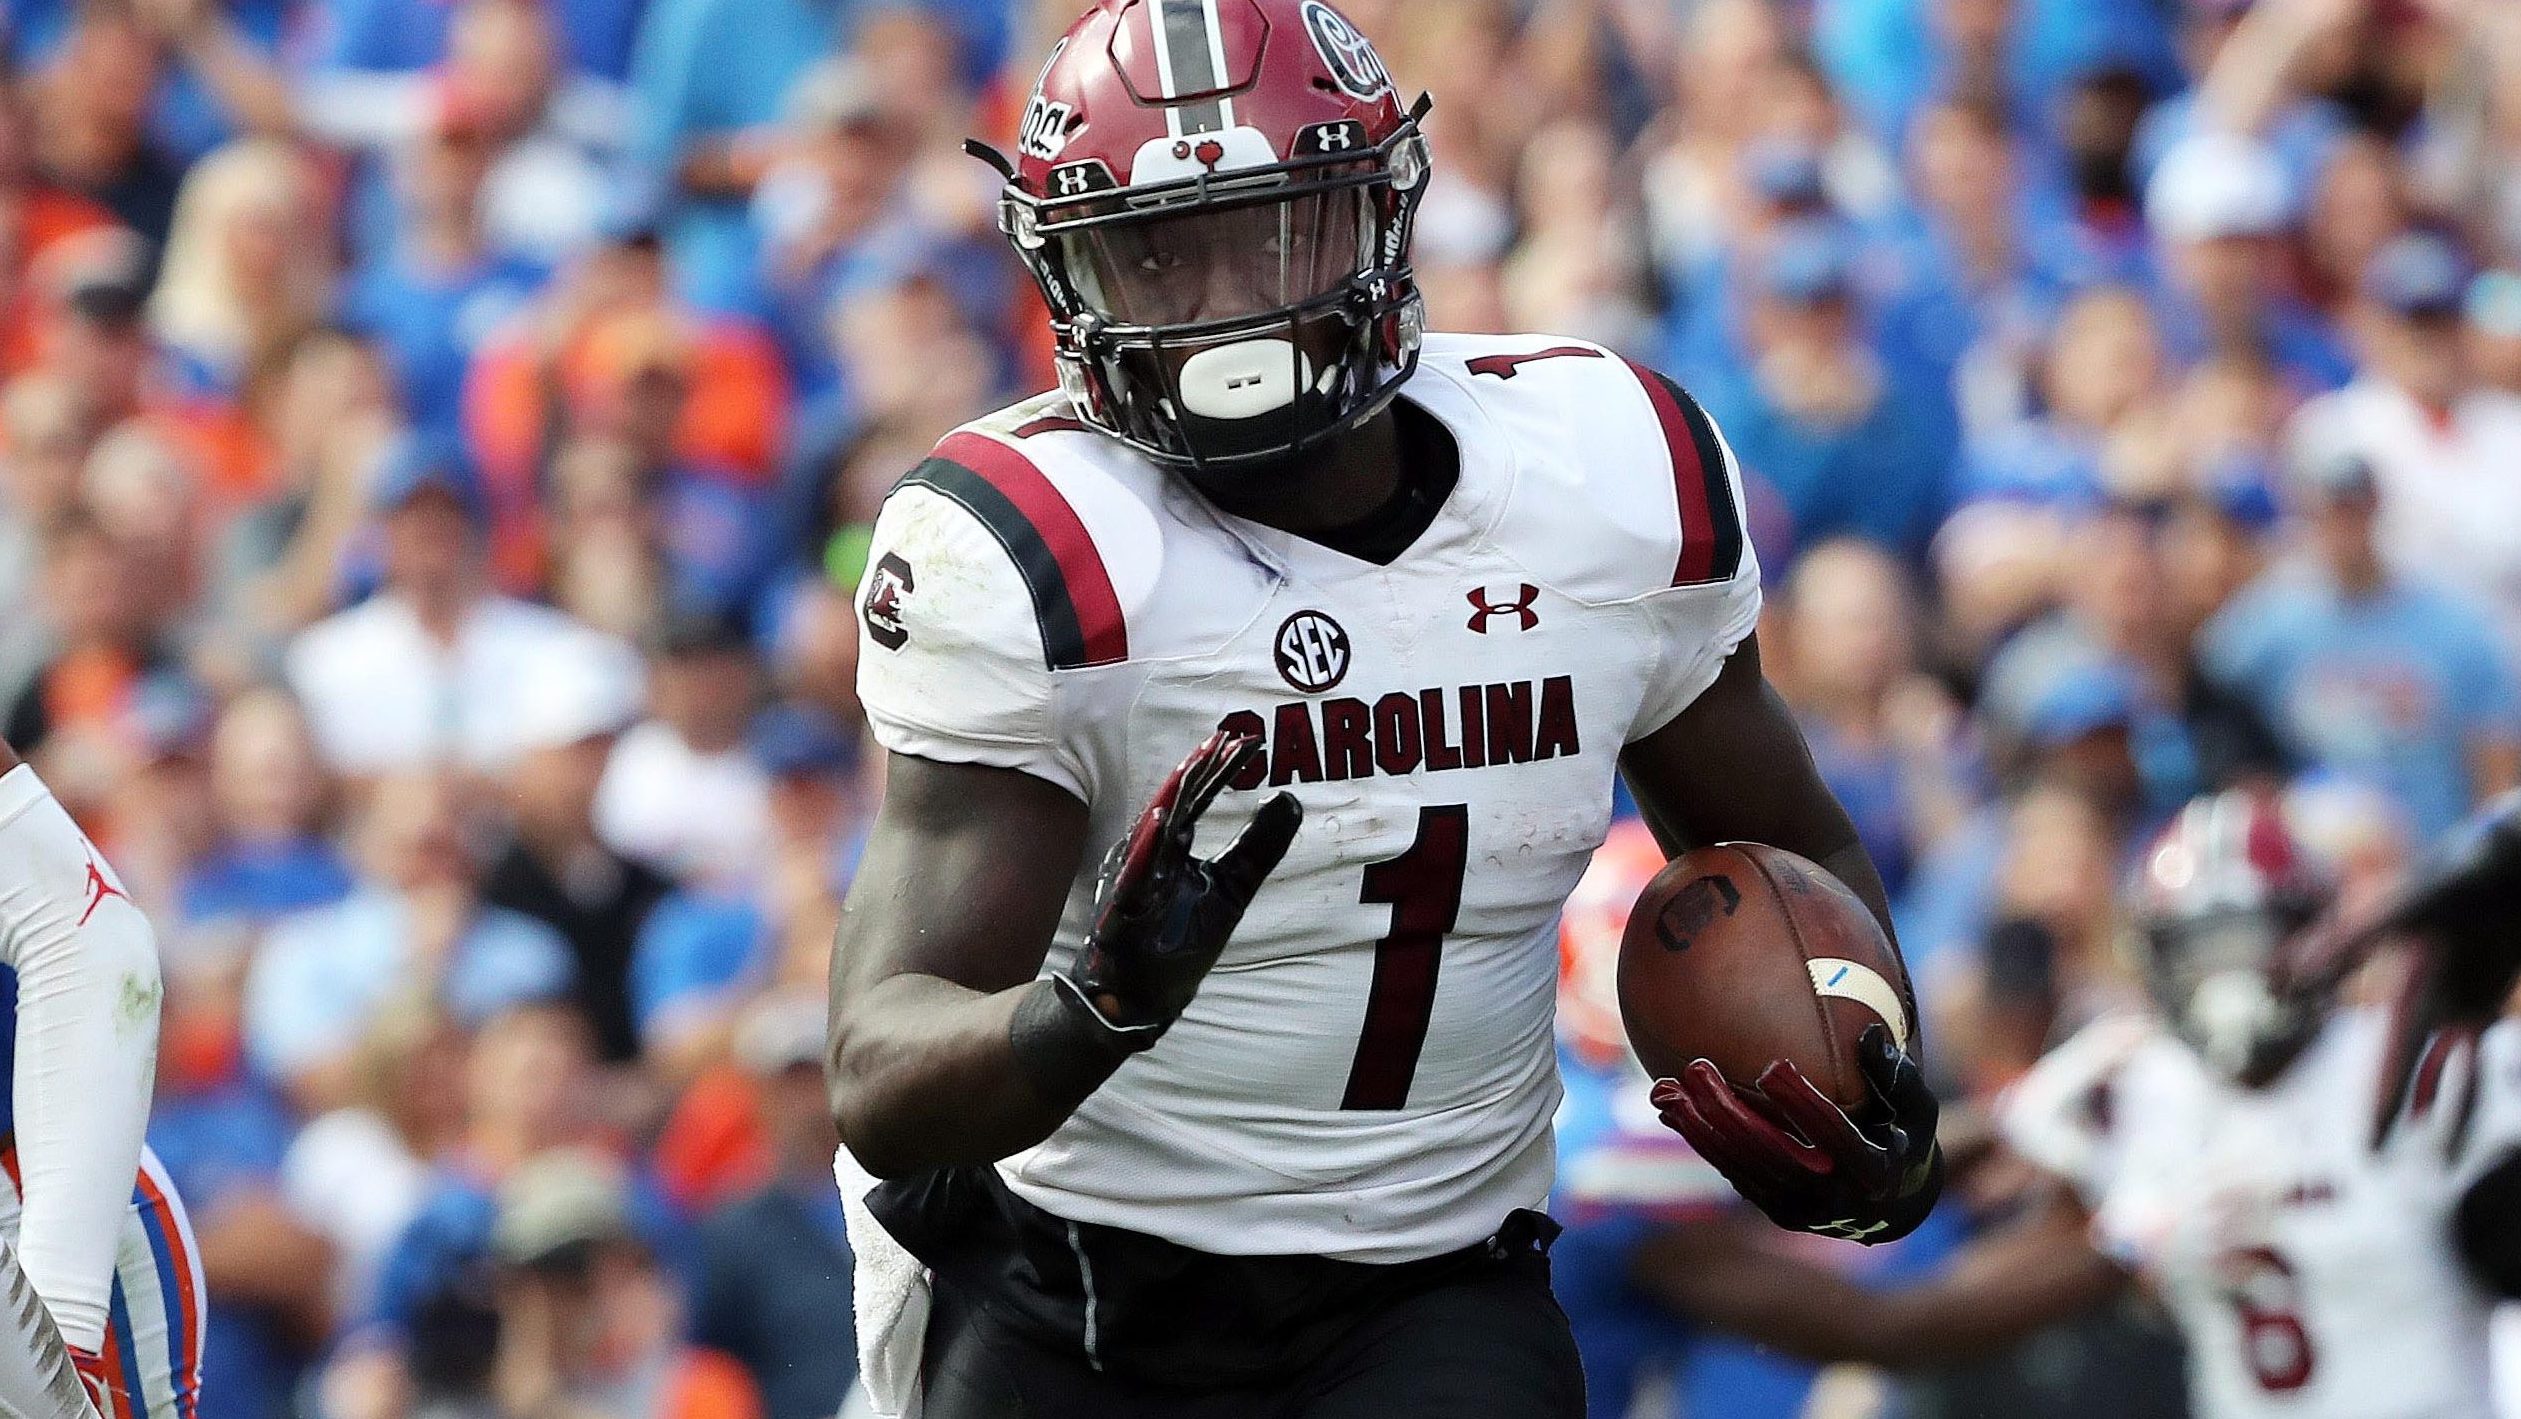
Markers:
point(1743, 954)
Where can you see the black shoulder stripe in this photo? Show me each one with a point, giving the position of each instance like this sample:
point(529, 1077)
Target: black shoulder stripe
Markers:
point(1724, 517)
point(1063, 640)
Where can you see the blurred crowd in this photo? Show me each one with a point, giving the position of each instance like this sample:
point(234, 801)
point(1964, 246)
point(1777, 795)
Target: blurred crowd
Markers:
point(437, 438)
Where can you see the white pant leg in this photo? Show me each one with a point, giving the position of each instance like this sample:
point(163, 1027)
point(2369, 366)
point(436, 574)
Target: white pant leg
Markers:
point(154, 1315)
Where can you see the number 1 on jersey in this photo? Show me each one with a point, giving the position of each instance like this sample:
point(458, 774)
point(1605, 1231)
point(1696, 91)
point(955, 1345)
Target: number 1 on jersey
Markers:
point(1423, 886)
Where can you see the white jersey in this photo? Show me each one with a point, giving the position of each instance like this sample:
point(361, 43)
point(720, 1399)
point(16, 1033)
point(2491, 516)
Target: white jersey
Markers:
point(2311, 1277)
point(78, 1055)
point(1368, 1073)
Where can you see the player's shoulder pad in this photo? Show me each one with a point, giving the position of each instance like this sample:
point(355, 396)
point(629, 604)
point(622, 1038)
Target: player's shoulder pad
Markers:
point(1074, 515)
point(1624, 486)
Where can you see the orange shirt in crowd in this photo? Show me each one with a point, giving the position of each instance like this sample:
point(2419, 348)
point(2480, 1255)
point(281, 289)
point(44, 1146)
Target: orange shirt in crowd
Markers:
point(42, 217)
point(709, 1385)
point(711, 1149)
point(734, 418)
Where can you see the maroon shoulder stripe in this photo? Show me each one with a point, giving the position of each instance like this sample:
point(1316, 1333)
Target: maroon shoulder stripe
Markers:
point(1711, 526)
point(1050, 424)
point(2426, 1091)
point(1072, 590)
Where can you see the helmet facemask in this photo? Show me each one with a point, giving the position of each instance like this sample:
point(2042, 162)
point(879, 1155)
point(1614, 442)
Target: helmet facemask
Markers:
point(1226, 324)
point(2213, 976)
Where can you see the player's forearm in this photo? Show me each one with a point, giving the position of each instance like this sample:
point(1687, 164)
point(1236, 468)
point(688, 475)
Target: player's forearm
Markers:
point(1984, 1303)
point(1689, 779)
point(1730, 1275)
point(926, 1073)
point(1996, 1293)
point(87, 1023)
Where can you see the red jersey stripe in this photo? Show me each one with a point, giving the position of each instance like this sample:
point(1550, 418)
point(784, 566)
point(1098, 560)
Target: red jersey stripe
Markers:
point(1689, 482)
point(1088, 583)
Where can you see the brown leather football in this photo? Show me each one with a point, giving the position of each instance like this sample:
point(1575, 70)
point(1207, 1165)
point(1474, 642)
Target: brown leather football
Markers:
point(1744, 954)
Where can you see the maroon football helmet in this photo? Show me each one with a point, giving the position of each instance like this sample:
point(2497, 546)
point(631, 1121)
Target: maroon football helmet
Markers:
point(2217, 903)
point(1216, 198)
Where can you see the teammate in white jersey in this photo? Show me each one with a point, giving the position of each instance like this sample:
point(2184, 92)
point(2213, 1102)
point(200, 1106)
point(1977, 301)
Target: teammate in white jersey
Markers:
point(2219, 1152)
point(1422, 597)
point(99, 1280)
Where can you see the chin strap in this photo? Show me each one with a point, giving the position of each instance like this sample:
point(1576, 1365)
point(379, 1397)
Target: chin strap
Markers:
point(975, 148)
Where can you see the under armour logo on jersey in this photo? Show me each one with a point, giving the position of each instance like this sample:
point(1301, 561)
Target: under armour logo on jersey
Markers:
point(1312, 652)
point(1483, 608)
point(98, 888)
point(883, 610)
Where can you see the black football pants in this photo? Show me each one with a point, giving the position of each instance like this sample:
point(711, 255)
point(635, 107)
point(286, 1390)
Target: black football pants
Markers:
point(1036, 1318)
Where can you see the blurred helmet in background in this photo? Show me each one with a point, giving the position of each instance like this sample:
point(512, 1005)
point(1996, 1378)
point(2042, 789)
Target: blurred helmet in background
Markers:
point(2212, 907)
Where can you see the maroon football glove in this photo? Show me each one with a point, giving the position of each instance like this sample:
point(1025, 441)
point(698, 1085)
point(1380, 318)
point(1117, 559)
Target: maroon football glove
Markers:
point(1162, 915)
point(1800, 1159)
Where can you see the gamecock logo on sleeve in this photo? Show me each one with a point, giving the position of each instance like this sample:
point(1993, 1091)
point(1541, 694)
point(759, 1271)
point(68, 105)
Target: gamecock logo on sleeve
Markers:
point(883, 610)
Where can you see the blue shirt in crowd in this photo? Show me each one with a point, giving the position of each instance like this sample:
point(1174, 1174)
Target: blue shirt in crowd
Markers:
point(1888, 57)
point(1879, 477)
point(429, 324)
point(595, 35)
point(695, 949)
point(321, 975)
point(260, 881)
point(712, 69)
point(222, 1146)
point(2392, 689)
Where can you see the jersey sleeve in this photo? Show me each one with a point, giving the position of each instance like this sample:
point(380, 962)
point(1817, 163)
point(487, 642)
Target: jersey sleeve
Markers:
point(87, 1037)
point(2062, 1117)
point(1713, 604)
point(953, 665)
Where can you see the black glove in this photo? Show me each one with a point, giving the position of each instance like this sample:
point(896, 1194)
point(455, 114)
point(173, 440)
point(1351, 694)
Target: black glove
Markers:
point(2462, 915)
point(1162, 915)
point(1797, 1157)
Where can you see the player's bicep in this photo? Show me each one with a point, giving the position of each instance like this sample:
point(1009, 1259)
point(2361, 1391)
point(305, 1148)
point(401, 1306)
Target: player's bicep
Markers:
point(965, 873)
point(1733, 767)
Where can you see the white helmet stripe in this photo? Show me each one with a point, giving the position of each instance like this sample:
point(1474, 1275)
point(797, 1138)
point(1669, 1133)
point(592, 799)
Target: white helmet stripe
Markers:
point(1190, 59)
point(1216, 55)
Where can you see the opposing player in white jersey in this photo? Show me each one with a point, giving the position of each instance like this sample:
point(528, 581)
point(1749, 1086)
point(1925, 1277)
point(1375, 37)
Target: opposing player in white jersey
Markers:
point(2222, 1152)
point(1416, 599)
point(100, 1286)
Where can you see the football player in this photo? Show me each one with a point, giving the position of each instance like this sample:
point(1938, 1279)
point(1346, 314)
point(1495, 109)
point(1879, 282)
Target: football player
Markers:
point(1222, 1085)
point(100, 1284)
point(2217, 1152)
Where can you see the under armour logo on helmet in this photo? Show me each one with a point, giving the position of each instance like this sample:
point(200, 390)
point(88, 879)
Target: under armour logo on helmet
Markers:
point(1482, 608)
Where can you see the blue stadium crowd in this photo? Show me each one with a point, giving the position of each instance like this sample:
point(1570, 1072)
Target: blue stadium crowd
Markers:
point(437, 439)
